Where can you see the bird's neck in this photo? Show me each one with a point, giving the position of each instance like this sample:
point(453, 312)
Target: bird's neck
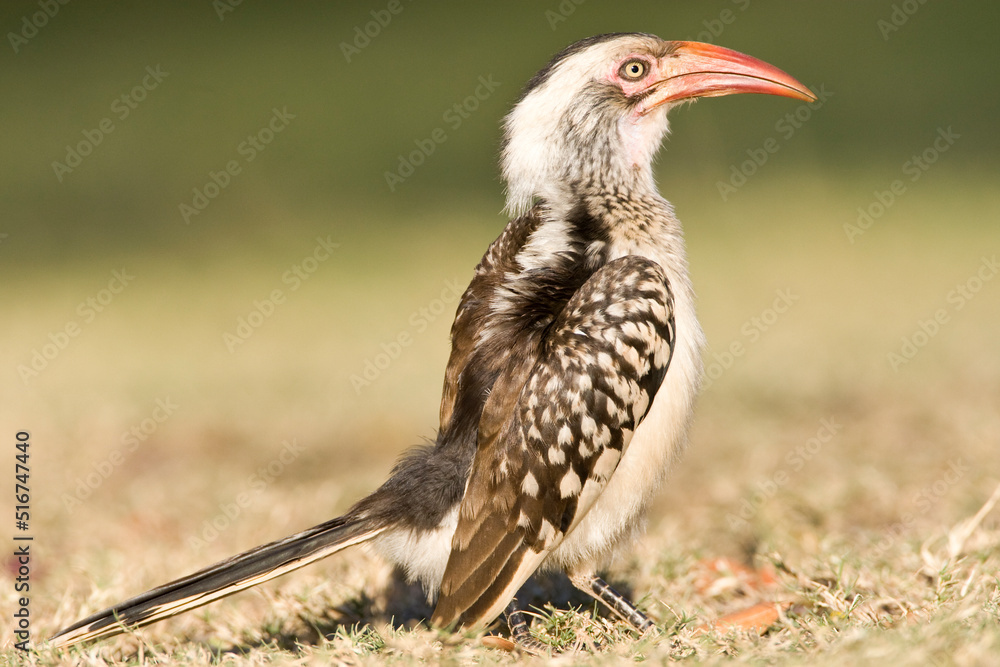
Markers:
point(574, 239)
point(604, 220)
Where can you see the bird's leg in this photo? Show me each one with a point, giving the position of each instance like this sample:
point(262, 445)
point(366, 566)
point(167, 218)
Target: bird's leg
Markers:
point(521, 633)
point(596, 587)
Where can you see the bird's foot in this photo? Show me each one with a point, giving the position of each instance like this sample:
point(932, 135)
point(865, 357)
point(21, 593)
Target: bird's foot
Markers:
point(520, 632)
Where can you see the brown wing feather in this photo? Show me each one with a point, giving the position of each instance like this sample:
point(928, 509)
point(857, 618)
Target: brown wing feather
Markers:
point(552, 433)
point(496, 262)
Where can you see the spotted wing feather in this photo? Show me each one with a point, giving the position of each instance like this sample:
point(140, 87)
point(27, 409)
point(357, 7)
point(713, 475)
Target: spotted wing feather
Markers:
point(553, 430)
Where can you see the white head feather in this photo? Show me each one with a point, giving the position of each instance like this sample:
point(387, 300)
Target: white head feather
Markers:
point(564, 126)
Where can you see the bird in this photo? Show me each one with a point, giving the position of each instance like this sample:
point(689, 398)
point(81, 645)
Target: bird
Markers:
point(574, 366)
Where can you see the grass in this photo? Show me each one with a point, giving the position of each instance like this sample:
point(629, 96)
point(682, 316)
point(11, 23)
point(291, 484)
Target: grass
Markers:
point(828, 482)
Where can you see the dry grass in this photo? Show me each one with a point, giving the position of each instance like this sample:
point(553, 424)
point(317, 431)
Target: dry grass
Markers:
point(860, 536)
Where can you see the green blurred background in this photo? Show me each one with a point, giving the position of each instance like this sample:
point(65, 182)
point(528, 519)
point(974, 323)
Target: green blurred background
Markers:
point(353, 119)
point(891, 89)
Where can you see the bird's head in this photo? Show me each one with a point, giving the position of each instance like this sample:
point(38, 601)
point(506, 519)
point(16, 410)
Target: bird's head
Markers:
point(596, 114)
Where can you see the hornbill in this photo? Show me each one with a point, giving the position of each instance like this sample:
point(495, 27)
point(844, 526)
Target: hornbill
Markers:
point(574, 365)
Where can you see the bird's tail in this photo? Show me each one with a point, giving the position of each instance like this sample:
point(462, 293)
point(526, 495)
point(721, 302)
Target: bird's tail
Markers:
point(224, 578)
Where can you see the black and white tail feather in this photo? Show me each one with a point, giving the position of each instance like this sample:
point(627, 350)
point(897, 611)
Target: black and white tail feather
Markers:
point(220, 580)
point(576, 357)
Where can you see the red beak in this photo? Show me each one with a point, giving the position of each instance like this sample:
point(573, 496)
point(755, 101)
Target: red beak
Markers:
point(695, 69)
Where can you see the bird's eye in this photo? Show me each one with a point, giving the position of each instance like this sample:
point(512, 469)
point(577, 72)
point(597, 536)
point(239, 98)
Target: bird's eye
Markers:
point(633, 70)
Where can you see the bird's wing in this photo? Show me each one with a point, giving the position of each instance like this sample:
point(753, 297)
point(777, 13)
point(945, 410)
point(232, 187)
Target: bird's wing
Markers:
point(498, 260)
point(555, 426)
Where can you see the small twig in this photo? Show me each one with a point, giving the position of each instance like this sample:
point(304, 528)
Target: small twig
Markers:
point(962, 531)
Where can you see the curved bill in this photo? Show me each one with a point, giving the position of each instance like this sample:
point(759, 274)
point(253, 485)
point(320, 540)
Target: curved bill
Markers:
point(695, 69)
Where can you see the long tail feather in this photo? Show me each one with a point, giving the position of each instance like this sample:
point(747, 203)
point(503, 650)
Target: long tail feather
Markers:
point(224, 578)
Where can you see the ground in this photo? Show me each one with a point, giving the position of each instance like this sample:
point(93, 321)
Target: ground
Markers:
point(840, 473)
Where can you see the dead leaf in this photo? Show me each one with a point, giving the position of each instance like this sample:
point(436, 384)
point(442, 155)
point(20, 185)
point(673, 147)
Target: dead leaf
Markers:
point(757, 618)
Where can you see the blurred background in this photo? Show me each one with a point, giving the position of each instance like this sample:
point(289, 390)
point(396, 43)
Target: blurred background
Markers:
point(228, 226)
